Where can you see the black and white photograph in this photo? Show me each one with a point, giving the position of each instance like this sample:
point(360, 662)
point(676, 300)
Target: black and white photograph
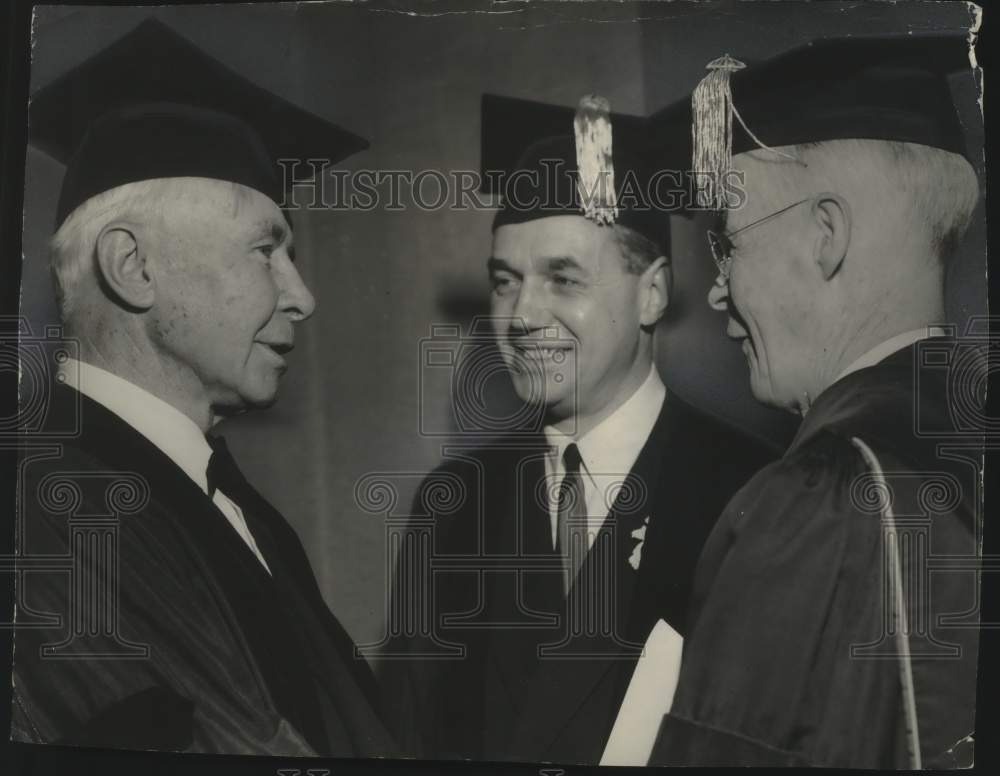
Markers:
point(530, 384)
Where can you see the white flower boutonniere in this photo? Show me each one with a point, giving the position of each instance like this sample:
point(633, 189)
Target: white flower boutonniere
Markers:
point(639, 534)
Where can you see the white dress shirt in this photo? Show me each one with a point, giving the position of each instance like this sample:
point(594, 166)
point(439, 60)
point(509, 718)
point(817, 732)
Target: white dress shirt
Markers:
point(174, 433)
point(886, 348)
point(608, 452)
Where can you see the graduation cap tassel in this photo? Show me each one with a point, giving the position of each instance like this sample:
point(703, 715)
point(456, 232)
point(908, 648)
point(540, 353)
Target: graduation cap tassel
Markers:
point(594, 160)
point(712, 129)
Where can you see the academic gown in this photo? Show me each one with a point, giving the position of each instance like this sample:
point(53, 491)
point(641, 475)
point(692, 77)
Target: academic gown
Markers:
point(530, 684)
point(794, 583)
point(209, 652)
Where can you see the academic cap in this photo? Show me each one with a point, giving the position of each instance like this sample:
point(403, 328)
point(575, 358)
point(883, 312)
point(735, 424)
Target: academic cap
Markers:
point(891, 88)
point(153, 105)
point(530, 157)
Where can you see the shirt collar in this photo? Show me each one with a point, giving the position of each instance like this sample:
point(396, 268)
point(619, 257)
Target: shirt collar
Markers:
point(888, 347)
point(613, 446)
point(173, 432)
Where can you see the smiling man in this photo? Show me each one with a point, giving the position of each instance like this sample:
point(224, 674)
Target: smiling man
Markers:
point(196, 624)
point(579, 533)
point(837, 599)
point(599, 291)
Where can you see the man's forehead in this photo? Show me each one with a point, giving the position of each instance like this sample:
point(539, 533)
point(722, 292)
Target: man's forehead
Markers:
point(755, 173)
point(225, 193)
point(551, 237)
point(273, 225)
point(759, 168)
point(261, 212)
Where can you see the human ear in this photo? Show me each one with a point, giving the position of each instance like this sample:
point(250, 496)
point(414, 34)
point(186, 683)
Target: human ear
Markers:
point(122, 267)
point(833, 217)
point(655, 289)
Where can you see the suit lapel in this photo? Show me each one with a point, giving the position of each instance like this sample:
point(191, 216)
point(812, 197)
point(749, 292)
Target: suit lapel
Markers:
point(523, 600)
point(573, 666)
point(680, 521)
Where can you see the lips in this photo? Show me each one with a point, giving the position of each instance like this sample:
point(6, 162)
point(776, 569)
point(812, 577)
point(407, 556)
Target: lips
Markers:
point(735, 331)
point(279, 349)
point(541, 352)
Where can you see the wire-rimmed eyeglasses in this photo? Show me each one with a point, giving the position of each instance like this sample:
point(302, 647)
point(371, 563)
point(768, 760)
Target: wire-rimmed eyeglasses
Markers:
point(721, 243)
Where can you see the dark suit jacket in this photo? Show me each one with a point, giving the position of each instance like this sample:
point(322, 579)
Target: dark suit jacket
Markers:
point(196, 647)
point(541, 678)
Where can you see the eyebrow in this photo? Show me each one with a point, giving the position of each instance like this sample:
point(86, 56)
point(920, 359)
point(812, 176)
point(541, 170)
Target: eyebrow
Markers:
point(279, 233)
point(273, 229)
point(551, 263)
point(560, 263)
point(493, 264)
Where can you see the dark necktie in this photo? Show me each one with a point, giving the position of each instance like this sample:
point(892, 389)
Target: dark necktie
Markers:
point(571, 535)
point(225, 476)
point(223, 473)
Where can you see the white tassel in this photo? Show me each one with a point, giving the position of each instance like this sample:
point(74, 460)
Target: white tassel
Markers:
point(712, 130)
point(594, 160)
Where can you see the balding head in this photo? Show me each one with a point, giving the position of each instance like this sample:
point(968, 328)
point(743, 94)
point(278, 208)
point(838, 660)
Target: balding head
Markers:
point(923, 197)
point(859, 259)
point(185, 287)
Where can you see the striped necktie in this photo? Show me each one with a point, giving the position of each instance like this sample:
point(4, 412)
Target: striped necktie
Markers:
point(572, 506)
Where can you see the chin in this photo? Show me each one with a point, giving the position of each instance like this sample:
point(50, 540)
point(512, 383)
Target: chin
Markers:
point(244, 404)
point(528, 386)
point(768, 396)
point(556, 413)
point(558, 399)
point(262, 403)
point(765, 398)
point(761, 391)
point(260, 396)
point(554, 401)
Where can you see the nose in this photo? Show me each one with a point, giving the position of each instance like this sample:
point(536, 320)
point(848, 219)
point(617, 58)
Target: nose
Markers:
point(295, 299)
point(530, 310)
point(718, 295)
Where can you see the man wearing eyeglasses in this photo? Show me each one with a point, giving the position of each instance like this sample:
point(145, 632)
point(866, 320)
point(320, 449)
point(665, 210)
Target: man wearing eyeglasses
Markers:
point(759, 324)
point(821, 635)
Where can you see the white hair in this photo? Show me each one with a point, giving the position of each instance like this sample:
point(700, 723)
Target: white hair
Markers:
point(935, 191)
point(72, 248)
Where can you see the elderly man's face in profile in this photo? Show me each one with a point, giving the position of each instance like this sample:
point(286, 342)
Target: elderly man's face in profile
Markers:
point(771, 287)
point(228, 294)
point(564, 276)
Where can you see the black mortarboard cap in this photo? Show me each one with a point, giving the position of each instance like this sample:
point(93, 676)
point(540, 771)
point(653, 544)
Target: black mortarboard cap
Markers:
point(893, 88)
point(529, 158)
point(882, 88)
point(154, 105)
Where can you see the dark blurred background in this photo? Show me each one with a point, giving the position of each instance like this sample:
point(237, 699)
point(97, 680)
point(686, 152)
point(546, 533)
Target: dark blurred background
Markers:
point(409, 77)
